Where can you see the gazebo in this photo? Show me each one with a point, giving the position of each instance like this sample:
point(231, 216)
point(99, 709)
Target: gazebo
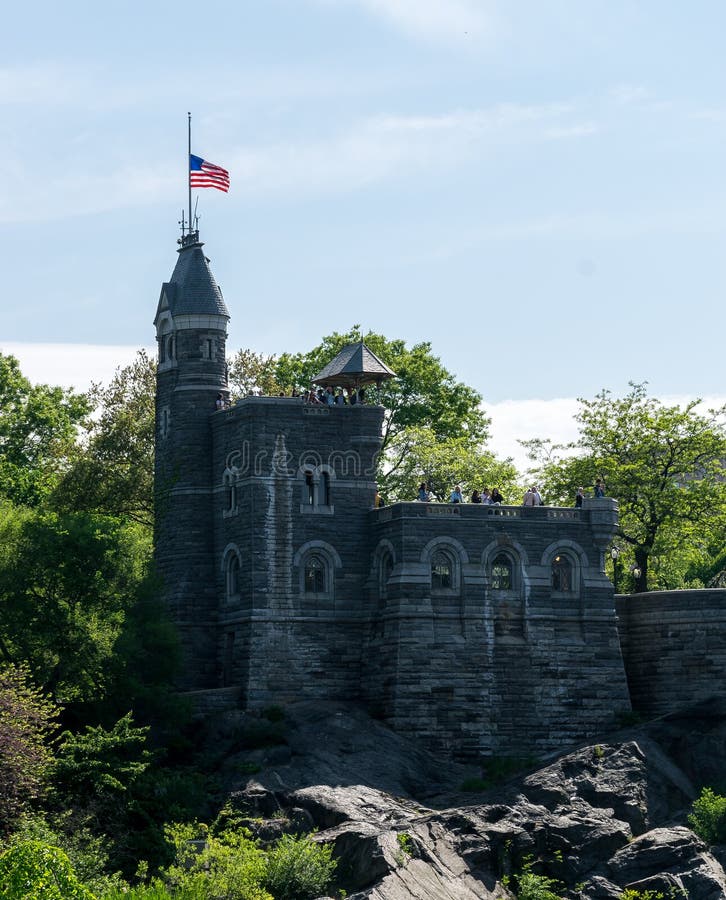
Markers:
point(354, 367)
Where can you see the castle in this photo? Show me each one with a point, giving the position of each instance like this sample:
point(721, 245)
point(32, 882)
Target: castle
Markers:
point(473, 629)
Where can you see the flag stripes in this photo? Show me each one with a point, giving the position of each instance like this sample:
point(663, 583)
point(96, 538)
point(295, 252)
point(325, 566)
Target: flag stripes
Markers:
point(203, 174)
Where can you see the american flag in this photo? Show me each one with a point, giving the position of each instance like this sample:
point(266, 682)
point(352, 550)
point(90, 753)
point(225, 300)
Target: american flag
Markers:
point(205, 174)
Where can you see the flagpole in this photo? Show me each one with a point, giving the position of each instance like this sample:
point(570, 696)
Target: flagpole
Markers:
point(189, 171)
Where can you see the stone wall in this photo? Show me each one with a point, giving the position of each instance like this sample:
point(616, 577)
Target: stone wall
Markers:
point(303, 479)
point(674, 647)
point(474, 669)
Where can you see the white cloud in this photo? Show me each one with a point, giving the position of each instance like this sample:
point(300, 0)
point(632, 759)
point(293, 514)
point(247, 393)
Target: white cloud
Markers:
point(71, 365)
point(523, 420)
point(451, 21)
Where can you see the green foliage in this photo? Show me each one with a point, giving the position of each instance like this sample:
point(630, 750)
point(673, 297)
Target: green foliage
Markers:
point(664, 464)
point(37, 434)
point(708, 818)
point(536, 887)
point(405, 847)
point(87, 853)
point(100, 762)
point(26, 720)
point(424, 399)
point(227, 867)
point(253, 373)
point(673, 894)
point(298, 868)
point(145, 661)
point(497, 770)
point(416, 454)
point(66, 582)
point(257, 733)
point(405, 842)
point(100, 775)
point(112, 472)
point(32, 869)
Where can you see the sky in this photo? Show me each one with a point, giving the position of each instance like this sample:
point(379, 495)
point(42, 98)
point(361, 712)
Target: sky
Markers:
point(538, 189)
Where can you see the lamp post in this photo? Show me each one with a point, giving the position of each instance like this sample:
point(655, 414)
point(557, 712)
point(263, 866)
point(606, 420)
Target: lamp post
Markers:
point(614, 554)
point(636, 572)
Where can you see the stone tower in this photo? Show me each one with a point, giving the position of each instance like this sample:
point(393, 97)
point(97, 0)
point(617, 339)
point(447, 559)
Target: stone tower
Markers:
point(191, 330)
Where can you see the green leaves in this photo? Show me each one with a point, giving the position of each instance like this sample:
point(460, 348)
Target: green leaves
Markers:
point(113, 471)
point(37, 434)
point(27, 718)
point(708, 818)
point(664, 465)
point(35, 869)
point(66, 582)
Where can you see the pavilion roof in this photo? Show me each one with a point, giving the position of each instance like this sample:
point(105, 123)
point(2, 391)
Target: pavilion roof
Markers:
point(354, 366)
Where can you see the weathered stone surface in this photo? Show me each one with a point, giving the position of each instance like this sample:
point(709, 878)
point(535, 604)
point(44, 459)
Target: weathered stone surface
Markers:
point(599, 819)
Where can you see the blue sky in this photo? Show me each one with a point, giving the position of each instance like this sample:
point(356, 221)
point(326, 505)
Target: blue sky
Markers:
point(537, 188)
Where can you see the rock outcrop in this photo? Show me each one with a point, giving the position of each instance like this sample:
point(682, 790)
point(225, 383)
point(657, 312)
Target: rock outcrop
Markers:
point(598, 819)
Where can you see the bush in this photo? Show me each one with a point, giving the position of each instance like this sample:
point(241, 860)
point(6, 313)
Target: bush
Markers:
point(708, 818)
point(299, 869)
point(37, 870)
point(26, 719)
point(228, 867)
point(536, 887)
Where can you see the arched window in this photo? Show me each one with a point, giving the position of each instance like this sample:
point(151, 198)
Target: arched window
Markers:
point(562, 574)
point(502, 573)
point(170, 347)
point(232, 576)
point(309, 487)
point(442, 571)
point(315, 577)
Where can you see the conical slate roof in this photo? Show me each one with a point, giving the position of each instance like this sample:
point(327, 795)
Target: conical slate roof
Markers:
point(192, 290)
point(355, 365)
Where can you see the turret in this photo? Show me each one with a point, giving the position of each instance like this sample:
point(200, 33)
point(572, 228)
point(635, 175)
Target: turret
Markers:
point(191, 330)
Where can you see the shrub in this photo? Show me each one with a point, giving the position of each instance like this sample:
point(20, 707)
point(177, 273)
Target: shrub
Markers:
point(228, 867)
point(299, 869)
point(536, 887)
point(37, 870)
point(26, 719)
point(708, 818)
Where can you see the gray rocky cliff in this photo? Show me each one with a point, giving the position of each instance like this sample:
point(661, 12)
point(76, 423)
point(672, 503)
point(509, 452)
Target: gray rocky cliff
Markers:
point(599, 819)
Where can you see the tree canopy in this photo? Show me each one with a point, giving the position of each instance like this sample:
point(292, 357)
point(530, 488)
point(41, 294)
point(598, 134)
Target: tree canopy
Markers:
point(665, 466)
point(38, 430)
point(425, 407)
point(112, 472)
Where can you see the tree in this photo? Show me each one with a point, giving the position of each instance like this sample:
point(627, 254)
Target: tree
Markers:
point(423, 395)
point(251, 373)
point(38, 426)
point(664, 465)
point(113, 472)
point(67, 581)
point(27, 718)
point(444, 463)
